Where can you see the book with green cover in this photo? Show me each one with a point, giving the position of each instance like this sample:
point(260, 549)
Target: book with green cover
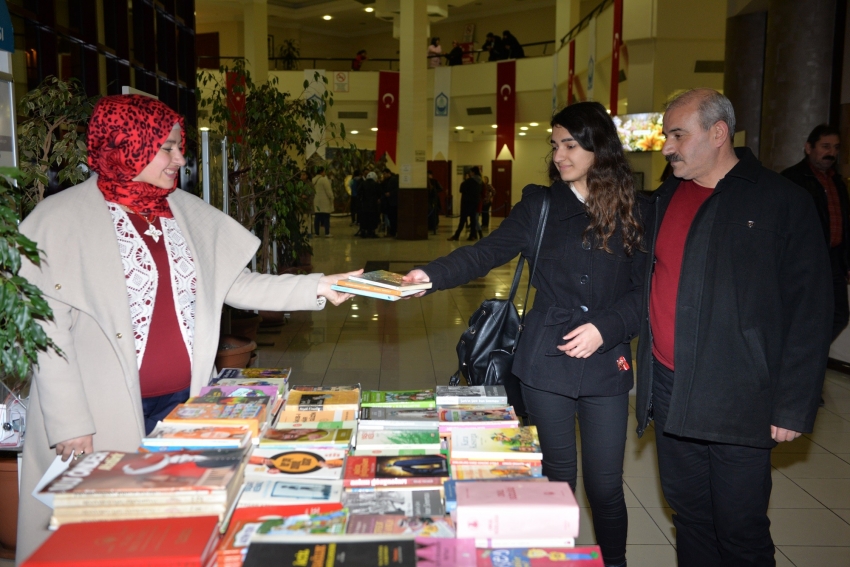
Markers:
point(399, 399)
point(514, 444)
point(397, 442)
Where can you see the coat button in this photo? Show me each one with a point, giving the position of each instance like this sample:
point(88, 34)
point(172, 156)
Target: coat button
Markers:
point(58, 286)
point(584, 279)
point(585, 245)
point(118, 335)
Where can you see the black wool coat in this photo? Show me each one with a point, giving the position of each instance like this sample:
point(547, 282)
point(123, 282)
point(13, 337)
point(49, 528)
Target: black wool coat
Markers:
point(575, 283)
point(753, 312)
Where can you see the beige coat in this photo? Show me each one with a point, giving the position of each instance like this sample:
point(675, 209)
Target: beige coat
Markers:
point(94, 389)
point(324, 199)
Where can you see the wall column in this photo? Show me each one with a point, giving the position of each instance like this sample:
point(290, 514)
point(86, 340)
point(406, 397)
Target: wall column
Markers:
point(412, 122)
point(255, 22)
point(743, 80)
point(797, 78)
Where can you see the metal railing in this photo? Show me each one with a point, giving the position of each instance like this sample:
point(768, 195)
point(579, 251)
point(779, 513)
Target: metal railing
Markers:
point(584, 22)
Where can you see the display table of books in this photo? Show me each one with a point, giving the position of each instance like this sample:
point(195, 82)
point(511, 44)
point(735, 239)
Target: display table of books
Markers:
point(255, 471)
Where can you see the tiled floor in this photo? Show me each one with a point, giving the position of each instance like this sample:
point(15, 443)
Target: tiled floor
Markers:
point(411, 344)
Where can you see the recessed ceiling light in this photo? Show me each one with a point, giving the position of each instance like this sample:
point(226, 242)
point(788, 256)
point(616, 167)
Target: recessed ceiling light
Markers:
point(458, 127)
point(374, 129)
point(532, 124)
point(369, 9)
point(523, 127)
point(608, 111)
point(355, 131)
point(327, 17)
point(494, 125)
point(522, 133)
point(548, 129)
point(204, 129)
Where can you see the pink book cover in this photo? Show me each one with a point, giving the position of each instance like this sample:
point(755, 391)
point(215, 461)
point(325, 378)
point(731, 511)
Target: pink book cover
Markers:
point(438, 552)
point(540, 557)
point(516, 509)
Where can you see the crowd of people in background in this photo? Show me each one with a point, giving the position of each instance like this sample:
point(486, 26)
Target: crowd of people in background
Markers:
point(497, 48)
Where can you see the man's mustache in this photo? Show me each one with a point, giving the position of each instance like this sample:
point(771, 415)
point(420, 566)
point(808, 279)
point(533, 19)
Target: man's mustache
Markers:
point(673, 157)
point(828, 158)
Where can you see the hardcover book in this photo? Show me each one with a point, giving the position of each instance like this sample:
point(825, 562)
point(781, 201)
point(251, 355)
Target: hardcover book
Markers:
point(399, 399)
point(393, 442)
point(317, 401)
point(395, 418)
point(390, 280)
point(296, 438)
point(516, 509)
point(289, 492)
point(513, 444)
point(307, 463)
point(165, 542)
point(484, 395)
point(405, 470)
point(403, 502)
point(334, 551)
point(418, 526)
point(251, 415)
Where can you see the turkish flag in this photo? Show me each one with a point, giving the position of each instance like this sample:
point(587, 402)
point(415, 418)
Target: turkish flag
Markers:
point(615, 56)
point(505, 105)
point(387, 115)
point(236, 105)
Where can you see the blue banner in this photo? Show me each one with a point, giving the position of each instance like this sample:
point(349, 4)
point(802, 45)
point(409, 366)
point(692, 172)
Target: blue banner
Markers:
point(7, 34)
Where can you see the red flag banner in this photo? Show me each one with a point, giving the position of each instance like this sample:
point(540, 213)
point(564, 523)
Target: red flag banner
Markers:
point(572, 73)
point(236, 105)
point(615, 56)
point(505, 106)
point(387, 115)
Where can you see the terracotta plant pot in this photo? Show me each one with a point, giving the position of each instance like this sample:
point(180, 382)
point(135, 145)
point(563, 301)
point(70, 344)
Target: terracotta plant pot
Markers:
point(245, 324)
point(272, 318)
point(9, 498)
point(234, 352)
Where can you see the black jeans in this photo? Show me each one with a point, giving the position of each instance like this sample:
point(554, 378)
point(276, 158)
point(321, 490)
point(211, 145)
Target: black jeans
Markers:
point(719, 493)
point(603, 422)
point(322, 219)
point(839, 285)
point(485, 215)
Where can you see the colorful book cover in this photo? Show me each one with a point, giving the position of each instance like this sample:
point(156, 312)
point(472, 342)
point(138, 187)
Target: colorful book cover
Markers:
point(399, 399)
point(287, 492)
point(400, 418)
point(404, 470)
point(360, 286)
point(403, 502)
point(319, 401)
point(238, 391)
point(518, 443)
point(303, 524)
point(397, 442)
point(540, 557)
point(279, 383)
point(383, 278)
point(473, 417)
point(306, 438)
point(308, 388)
point(334, 552)
point(313, 417)
point(160, 542)
point(484, 395)
point(251, 415)
point(516, 509)
point(443, 552)
point(450, 488)
point(417, 526)
point(228, 401)
point(486, 470)
point(386, 294)
point(307, 463)
point(282, 373)
point(175, 435)
point(284, 425)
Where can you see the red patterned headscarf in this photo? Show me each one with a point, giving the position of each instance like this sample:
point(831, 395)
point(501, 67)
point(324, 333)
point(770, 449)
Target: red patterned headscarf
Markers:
point(124, 134)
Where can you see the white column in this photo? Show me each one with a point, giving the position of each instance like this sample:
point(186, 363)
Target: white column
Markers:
point(412, 119)
point(255, 33)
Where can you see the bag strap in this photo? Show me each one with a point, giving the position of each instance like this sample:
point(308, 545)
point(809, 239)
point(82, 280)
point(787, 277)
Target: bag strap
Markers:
point(541, 226)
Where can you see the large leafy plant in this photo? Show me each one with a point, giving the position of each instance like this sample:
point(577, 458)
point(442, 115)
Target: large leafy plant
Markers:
point(21, 303)
point(268, 132)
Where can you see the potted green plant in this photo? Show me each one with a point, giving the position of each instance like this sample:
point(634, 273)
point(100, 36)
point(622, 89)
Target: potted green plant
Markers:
point(288, 55)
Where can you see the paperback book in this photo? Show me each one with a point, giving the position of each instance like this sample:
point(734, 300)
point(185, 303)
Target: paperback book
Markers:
point(402, 502)
point(405, 470)
point(483, 395)
point(313, 417)
point(307, 388)
point(495, 470)
point(393, 442)
point(396, 418)
point(540, 557)
point(309, 437)
point(172, 437)
point(379, 293)
point(318, 401)
point(307, 463)
point(503, 444)
point(280, 373)
point(452, 418)
point(399, 399)
point(279, 383)
point(251, 415)
point(237, 391)
point(358, 287)
point(417, 526)
point(333, 551)
point(389, 280)
point(289, 492)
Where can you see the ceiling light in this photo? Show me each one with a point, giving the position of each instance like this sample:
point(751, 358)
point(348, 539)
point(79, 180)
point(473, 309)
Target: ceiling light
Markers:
point(355, 131)
point(369, 9)
point(327, 17)
point(548, 129)
point(608, 111)
point(204, 129)
point(458, 127)
point(374, 129)
point(523, 127)
point(532, 124)
point(494, 125)
point(522, 133)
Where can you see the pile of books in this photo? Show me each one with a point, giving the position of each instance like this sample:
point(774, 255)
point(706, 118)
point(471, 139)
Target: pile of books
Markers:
point(379, 284)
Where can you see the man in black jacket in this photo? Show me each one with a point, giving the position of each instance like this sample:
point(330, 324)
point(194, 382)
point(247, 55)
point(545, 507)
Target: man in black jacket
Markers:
point(817, 175)
point(735, 332)
point(470, 195)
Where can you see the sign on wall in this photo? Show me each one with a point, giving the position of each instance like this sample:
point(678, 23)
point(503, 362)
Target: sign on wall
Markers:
point(341, 81)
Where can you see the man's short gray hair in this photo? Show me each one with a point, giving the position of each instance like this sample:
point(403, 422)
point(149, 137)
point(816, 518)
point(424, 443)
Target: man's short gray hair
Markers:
point(713, 108)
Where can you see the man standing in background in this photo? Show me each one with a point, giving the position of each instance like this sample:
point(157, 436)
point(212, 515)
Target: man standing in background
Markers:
point(324, 201)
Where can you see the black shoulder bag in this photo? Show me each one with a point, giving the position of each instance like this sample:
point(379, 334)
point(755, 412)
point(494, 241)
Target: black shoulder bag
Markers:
point(486, 349)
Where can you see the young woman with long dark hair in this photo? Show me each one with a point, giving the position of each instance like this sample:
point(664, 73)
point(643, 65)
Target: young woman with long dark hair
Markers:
point(574, 356)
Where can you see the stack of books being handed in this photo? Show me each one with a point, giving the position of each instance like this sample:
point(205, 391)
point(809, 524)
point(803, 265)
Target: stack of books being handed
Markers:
point(379, 284)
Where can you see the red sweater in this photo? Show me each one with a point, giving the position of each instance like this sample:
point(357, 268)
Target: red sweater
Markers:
point(669, 250)
point(166, 367)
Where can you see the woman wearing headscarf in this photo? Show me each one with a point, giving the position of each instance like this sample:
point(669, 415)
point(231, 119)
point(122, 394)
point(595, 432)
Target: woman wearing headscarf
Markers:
point(136, 274)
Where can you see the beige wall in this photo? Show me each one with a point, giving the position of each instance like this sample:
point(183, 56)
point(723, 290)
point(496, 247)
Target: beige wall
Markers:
point(231, 42)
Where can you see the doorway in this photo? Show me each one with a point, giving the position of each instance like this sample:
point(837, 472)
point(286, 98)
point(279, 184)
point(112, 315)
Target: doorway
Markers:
point(443, 174)
point(501, 182)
